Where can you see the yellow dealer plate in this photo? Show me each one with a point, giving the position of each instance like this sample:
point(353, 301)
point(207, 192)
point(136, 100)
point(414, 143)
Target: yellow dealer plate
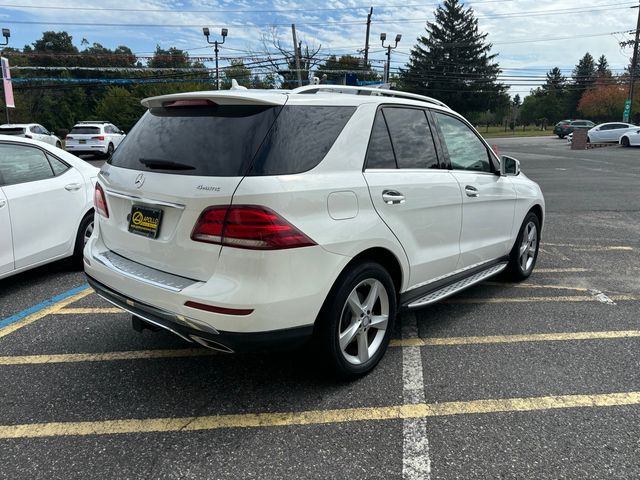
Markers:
point(145, 221)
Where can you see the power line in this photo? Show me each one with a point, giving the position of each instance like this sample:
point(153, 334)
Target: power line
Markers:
point(384, 21)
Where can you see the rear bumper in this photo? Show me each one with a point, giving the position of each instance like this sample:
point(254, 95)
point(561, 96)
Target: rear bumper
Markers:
point(86, 149)
point(228, 342)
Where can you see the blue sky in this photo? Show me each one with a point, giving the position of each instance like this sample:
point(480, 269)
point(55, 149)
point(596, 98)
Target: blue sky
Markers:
point(530, 37)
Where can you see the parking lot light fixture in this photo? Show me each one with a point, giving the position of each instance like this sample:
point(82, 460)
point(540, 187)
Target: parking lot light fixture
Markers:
point(383, 37)
point(6, 33)
point(215, 43)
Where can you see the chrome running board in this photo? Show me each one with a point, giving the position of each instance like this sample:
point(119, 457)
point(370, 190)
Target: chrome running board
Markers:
point(453, 288)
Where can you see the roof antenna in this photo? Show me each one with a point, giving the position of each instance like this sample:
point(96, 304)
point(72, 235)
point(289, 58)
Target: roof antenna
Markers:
point(236, 86)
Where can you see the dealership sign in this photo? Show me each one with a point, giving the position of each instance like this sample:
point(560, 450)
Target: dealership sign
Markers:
point(6, 82)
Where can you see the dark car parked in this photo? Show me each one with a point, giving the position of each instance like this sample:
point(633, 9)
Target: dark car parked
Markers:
point(565, 127)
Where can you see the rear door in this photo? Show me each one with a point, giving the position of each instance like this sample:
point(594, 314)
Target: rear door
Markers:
point(6, 243)
point(418, 200)
point(46, 199)
point(176, 162)
point(488, 199)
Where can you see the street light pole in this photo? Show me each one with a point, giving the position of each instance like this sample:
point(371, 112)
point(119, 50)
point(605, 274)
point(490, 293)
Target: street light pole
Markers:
point(634, 65)
point(224, 34)
point(387, 69)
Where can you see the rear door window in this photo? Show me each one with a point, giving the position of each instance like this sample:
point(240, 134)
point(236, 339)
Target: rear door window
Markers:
point(21, 164)
point(380, 151)
point(411, 137)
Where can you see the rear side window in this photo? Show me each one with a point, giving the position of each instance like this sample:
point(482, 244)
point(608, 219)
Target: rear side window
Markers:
point(411, 138)
point(58, 166)
point(21, 164)
point(85, 130)
point(300, 139)
point(222, 140)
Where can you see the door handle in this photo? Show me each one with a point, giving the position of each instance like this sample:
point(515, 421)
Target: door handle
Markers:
point(392, 197)
point(2, 203)
point(72, 186)
point(471, 191)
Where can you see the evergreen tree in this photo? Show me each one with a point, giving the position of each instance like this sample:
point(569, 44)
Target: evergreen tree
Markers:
point(547, 104)
point(602, 67)
point(556, 82)
point(452, 62)
point(583, 77)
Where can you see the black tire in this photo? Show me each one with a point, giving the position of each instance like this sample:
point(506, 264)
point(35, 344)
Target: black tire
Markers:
point(84, 232)
point(110, 150)
point(515, 270)
point(334, 319)
point(560, 136)
point(624, 141)
point(58, 144)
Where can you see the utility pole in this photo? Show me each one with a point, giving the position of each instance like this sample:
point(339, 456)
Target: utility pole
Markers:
point(366, 40)
point(297, 53)
point(634, 63)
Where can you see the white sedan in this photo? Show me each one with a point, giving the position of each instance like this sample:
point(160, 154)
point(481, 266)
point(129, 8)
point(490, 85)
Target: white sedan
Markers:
point(630, 139)
point(35, 131)
point(46, 204)
point(609, 132)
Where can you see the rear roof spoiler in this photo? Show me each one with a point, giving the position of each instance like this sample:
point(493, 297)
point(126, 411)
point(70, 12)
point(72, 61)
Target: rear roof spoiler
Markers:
point(236, 97)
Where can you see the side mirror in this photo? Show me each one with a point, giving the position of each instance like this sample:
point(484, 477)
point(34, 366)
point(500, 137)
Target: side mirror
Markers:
point(509, 166)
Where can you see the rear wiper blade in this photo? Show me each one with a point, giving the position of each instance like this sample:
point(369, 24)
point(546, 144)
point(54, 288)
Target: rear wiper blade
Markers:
point(159, 164)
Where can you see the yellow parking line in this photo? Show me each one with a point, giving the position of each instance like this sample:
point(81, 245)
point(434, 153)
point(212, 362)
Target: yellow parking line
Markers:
point(85, 311)
point(572, 298)
point(533, 285)
point(105, 356)
point(592, 248)
point(408, 342)
point(44, 312)
point(317, 417)
point(536, 337)
point(561, 270)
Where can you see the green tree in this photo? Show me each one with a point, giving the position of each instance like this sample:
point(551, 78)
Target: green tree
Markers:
point(120, 107)
point(236, 71)
point(453, 62)
point(584, 74)
point(547, 104)
point(602, 67)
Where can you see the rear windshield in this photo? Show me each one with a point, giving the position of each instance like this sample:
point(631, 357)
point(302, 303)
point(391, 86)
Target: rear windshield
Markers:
point(232, 140)
point(11, 130)
point(84, 130)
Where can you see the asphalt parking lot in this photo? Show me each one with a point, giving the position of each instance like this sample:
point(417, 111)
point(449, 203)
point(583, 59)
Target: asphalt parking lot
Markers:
point(535, 380)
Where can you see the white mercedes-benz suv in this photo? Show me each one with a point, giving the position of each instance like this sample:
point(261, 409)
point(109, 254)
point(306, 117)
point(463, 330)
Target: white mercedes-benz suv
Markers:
point(246, 220)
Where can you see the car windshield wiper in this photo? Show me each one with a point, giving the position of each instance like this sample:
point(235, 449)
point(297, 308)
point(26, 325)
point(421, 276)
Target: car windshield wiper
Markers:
point(159, 164)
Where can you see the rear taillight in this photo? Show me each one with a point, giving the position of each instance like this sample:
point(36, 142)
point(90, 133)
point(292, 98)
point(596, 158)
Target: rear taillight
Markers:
point(99, 137)
point(248, 226)
point(100, 201)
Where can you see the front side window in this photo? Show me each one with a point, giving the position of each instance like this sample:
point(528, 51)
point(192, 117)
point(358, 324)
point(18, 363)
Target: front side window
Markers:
point(466, 150)
point(21, 164)
point(411, 138)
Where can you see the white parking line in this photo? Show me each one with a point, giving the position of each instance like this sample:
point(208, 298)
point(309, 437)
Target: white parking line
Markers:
point(416, 463)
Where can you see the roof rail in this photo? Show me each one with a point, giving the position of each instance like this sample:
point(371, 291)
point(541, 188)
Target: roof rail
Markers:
point(94, 121)
point(367, 91)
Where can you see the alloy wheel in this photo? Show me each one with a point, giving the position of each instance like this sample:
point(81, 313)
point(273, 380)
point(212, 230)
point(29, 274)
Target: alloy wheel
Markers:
point(364, 321)
point(528, 246)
